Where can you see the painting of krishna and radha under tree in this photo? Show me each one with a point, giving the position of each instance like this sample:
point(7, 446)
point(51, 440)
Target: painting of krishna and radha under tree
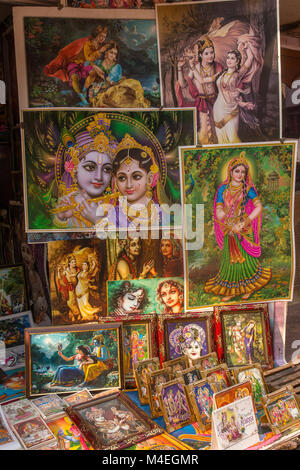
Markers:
point(64, 361)
point(92, 62)
point(247, 193)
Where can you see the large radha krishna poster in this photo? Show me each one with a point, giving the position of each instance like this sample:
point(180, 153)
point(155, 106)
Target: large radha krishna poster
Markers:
point(222, 58)
point(68, 58)
point(103, 171)
point(245, 197)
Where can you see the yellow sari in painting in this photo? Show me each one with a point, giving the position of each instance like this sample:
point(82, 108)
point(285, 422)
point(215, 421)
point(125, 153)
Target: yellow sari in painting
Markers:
point(92, 371)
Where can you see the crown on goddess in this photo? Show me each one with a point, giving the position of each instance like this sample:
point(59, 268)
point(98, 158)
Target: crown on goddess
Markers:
point(128, 142)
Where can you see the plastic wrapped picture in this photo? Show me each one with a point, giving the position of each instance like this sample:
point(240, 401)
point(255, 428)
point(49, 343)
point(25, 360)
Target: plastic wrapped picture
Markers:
point(103, 171)
point(77, 273)
point(65, 359)
point(222, 58)
point(144, 296)
point(68, 58)
point(13, 298)
point(245, 250)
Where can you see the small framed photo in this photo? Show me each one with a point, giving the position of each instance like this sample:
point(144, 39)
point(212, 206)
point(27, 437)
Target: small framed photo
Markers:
point(112, 422)
point(64, 359)
point(200, 395)
point(33, 432)
point(7, 439)
point(206, 362)
point(19, 411)
point(13, 293)
point(282, 409)
point(78, 397)
point(141, 370)
point(49, 405)
point(174, 404)
point(219, 376)
point(255, 375)
point(243, 335)
point(154, 379)
point(189, 375)
point(189, 334)
point(231, 394)
point(139, 341)
point(176, 365)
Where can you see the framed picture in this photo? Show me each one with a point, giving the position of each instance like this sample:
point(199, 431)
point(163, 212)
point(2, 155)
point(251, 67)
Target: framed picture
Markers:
point(154, 379)
point(63, 359)
point(12, 386)
point(199, 39)
point(78, 202)
point(174, 404)
point(78, 397)
point(141, 369)
point(200, 395)
point(77, 275)
point(176, 365)
point(189, 375)
point(206, 362)
point(260, 270)
point(20, 410)
point(282, 409)
point(231, 394)
point(219, 376)
point(112, 422)
point(189, 335)
point(255, 374)
point(12, 333)
point(13, 294)
point(243, 335)
point(60, 55)
point(8, 441)
point(139, 341)
point(49, 405)
point(33, 432)
point(142, 296)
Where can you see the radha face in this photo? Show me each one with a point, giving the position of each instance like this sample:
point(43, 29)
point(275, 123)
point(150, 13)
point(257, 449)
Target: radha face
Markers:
point(94, 173)
point(166, 248)
point(131, 300)
point(111, 55)
point(169, 295)
point(193, 350)
point(231, 61)
point(132, 181)
point(238, 174)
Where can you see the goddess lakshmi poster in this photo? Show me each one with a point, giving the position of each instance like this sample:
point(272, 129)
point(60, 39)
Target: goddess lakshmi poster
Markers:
point(68, 58)
point(247, 194)
point(222, 58)
point(87, 171)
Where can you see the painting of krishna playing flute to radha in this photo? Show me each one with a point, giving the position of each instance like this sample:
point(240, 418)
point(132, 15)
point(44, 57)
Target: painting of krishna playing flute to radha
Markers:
point(247, 193)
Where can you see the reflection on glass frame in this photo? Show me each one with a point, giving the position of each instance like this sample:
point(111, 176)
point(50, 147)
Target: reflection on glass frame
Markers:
point(189, 334)
point(112, 422)
point(174, 404)
point(219, 376)
point(78, 397)
point(243, 335)
point(282, 409)
point(139, 341)
point(255, 374)
point(200, 395)
point(189, 375)
point(154, 379)
point(13, 293)
point(141, 370)
point(206, 362)
point(176, 365)
point(63, 359)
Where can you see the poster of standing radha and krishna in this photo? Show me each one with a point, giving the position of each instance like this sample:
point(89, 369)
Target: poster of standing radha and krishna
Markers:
point(222, 58)
point(247, 192)
point(87, 171)
point(68, 58)
point(66, 359)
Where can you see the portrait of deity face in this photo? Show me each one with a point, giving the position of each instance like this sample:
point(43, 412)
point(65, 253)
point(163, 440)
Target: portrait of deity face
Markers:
point(94, 173)
point(132, 181)
point(134, 247)
point(130, 302)
point(166, 248)
point(192, 350)
point(169, 295)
